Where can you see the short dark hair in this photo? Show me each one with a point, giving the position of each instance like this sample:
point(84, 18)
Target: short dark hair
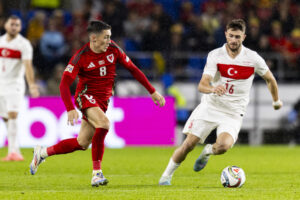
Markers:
point(97, 26)
point(13, 17)
point(236, 24)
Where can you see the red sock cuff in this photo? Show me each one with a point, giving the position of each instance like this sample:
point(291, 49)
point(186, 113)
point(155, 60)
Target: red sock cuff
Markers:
point(50, 151)
point(97, 165)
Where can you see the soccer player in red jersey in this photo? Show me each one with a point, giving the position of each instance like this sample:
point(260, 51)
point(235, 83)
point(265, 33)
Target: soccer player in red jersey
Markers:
point(95, 65)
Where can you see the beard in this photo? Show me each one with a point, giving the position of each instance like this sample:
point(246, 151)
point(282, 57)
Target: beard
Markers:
point(12, 34)
point(234, 49)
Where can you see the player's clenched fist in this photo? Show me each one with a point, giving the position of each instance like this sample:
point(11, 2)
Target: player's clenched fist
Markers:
point(219, 90)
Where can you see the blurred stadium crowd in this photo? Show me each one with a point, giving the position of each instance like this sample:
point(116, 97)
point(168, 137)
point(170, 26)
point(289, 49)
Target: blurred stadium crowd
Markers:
point(174, 34)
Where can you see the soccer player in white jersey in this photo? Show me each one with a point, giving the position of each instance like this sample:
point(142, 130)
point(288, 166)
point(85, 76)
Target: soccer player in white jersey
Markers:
point(226, 83)
point(15, 61)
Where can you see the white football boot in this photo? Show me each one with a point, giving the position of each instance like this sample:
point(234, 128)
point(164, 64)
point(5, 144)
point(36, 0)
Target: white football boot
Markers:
point(36, 160)
point(165, 180)
point(98, 179)
point(201, 160)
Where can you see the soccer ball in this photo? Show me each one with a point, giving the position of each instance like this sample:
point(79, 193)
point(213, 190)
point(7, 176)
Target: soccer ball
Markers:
point(233, 176)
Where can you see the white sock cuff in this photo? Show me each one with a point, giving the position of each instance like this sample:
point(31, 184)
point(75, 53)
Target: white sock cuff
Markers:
point(174, 163)
point(209, 149)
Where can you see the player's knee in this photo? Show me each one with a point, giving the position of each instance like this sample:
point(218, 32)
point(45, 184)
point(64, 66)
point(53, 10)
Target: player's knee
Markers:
point(188, 146)
point(84, 144)
point(222, 148)
point(103, 123)
point(12, 115)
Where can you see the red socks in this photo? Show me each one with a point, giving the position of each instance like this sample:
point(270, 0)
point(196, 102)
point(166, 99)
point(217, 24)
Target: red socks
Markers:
point(70, 145)
point(64, 146)
point(98, 147)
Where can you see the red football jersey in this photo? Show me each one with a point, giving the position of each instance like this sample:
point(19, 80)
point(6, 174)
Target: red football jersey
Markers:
point(97, 71)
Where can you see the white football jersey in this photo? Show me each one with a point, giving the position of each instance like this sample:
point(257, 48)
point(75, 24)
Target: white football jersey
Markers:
point(236, 74)
point(12, 71)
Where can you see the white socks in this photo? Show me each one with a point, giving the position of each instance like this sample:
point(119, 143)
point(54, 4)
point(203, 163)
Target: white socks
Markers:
point(172, 166)
point(208, 149)
point(12, 130)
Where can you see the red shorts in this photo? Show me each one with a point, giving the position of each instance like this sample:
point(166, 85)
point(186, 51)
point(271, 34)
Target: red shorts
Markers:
point(84, 101)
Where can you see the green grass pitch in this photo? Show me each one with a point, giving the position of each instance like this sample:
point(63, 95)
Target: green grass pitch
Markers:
point(272, 172)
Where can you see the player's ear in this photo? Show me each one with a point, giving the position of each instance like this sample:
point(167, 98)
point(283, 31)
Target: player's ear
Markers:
point(6, 25)
point(92, 37)
point(244, 37)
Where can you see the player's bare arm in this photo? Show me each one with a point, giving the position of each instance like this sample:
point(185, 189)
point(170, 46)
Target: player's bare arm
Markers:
point(206, 87)
point(29, 73)
point(273, 88)
point(158, 99)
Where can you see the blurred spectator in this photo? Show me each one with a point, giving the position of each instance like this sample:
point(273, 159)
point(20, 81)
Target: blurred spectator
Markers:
point(164, 20)
point(143, 7)
point(52, 48)
point(2, 22)
point(154, 39)
point(264, 45)
point(198, 39)
point(134, 25)
point(58, 16)
point(111, 16)
point(283, 15)
point(75, 33)
point(187, 14)
point(54, 81)
point(277, 39)
point(291, 51)
point(264, 13)
point(253, 35)
point(176, 44)
point(210, 20)
point(36, 27)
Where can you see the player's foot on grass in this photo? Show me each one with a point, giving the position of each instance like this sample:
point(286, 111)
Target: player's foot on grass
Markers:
point(13, 157)
point(165, 180)
point(98, 179)
point(201, 161)
point(36, 160)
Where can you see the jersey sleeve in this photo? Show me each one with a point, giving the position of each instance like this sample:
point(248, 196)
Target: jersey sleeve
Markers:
point(261, 67)
point(73, 67)
point(27, 51)
point(126, 62)
point(210, 66)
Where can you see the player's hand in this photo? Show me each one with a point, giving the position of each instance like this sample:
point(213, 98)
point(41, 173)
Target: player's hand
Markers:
point(219, 90)
point(158, 99)
point(277, 104)
point(34, 90)
point(72, 115)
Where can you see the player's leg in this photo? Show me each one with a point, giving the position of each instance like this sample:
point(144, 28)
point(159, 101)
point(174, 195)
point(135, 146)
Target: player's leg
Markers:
point(178, 156)
point(100, 122)
point(197, 131)
point(13, 103)
point(12, 137)
point(82, 142)
point(227, 134)
point(223, 143)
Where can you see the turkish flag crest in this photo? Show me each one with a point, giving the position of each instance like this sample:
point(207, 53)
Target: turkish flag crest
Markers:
point(110, 58)
point(235, 71)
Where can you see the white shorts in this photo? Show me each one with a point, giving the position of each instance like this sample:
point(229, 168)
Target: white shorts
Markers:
point(204, 120)
point(10, 103)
